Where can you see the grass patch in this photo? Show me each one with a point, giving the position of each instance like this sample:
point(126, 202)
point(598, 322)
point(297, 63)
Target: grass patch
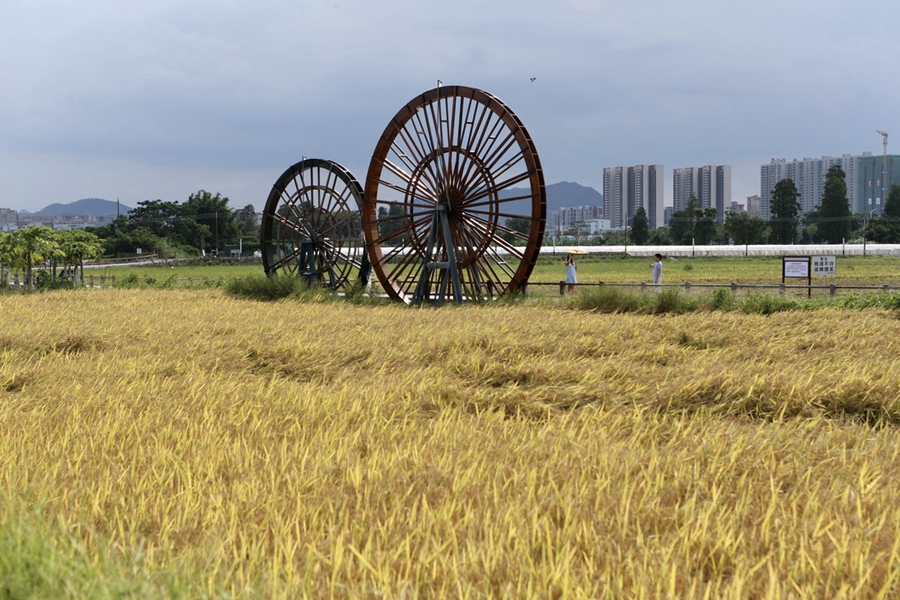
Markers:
point(767, 304)
point(41, 558)
point(617, 300)
point(132, 281)
point(262, 287)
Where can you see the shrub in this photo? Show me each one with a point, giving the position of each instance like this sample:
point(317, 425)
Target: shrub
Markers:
point(722, 299)
point(45, 282)
point(263, 287)
point(133, 281)
point(670, 301)
point(609, 299)
point(606, 299)
point(891, 301)
point(766, 304)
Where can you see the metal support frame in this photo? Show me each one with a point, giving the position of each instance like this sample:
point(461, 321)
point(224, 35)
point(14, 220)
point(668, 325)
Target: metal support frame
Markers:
point(440, 225)
point(308, 261)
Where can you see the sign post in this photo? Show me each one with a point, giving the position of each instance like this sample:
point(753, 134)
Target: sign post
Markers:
point(824, 266)
point(797, 267)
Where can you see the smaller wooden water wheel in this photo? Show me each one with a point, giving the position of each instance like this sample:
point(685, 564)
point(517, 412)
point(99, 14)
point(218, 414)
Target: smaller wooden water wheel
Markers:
point(312, 226)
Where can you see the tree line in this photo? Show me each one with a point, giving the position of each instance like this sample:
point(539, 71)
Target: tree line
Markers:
point(201, 225)
point(61, 250)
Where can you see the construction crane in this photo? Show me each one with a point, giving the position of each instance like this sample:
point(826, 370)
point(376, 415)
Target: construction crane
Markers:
point(884, 136)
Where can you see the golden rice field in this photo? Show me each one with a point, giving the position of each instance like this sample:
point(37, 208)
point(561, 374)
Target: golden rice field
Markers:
point(190, 444)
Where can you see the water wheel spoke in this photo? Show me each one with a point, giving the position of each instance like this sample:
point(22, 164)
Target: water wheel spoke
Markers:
point(289, 225)
point(494, 190)
point(516, 251)
point(418, 152)
point(286, 259)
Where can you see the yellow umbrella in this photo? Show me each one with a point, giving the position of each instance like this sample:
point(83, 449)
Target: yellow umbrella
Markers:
point(575, 251)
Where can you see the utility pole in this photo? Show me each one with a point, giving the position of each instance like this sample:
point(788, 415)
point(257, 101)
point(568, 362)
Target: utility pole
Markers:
point(884, 135)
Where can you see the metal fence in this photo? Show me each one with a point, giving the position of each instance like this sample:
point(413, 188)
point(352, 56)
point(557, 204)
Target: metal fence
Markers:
point(92, 281)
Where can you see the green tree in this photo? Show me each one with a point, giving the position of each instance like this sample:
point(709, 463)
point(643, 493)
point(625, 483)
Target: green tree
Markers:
point(640, 227)
point(245, 219)
point(744, 228)
point(835, 208)
point(809, 227)
point(683, 223)
point(26, 248)
point(886, 229)
point(157, 216)
point(214, 213)
point(7, 255)
point(784, 210)
point(127, 241)
point(77, 245)
point(705, 226)
point(661, 236)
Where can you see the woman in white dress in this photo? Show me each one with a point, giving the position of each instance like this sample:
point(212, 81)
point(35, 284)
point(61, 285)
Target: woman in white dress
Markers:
point(571, 276)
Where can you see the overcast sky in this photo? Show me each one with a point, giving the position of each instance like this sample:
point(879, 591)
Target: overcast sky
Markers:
point(161, 98)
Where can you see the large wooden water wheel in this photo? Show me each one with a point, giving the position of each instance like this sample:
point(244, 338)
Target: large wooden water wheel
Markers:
point(454, 204)
point(311, 225)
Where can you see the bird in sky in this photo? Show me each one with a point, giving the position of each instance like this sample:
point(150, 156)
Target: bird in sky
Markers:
point(532, 79)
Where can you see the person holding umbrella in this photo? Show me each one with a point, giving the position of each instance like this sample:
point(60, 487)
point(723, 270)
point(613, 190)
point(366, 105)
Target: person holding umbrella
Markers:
point(571, 275)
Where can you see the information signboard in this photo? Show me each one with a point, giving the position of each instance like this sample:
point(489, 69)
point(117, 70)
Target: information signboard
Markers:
point(795, 266)
point(823, 265)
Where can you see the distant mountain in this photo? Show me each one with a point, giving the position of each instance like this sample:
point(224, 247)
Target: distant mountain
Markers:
point(568, 194)
point(86, 206)
point(565, 194)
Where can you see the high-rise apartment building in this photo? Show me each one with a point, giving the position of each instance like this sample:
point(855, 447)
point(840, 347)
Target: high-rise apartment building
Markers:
point(711, 185)
point(753, 203)
point(684, 184)
point(874, 177)
point(862, 174)
point(627, 188)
